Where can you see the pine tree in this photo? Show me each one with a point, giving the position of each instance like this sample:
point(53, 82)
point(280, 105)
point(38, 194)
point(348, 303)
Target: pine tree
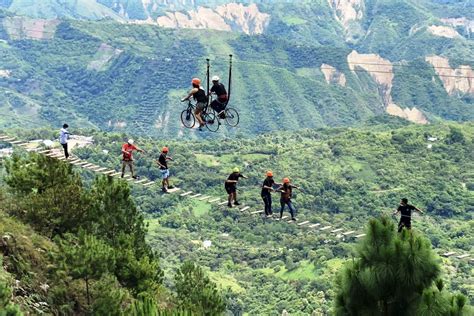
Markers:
point(84, 257)
point(196, 293)
point(393, 274)
point(52, 198)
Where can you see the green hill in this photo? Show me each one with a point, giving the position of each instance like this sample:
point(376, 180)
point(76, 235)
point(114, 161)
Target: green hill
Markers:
point(130, 78)
point(347, 175)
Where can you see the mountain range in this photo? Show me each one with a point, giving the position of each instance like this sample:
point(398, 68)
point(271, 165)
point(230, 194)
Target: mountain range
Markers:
point(123, 65)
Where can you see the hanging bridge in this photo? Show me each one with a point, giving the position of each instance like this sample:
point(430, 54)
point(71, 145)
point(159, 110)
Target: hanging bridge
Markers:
point(335, 230)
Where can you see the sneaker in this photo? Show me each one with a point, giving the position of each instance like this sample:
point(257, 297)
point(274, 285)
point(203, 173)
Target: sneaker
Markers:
point(236, 203)
point(294, 219)
point(164, 190)
point(200, 128)
point(135, 177)
point(121, 176)
point(229, 205)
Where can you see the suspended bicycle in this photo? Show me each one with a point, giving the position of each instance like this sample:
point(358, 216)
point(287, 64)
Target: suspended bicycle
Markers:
point(229, 115)
point(208, 115)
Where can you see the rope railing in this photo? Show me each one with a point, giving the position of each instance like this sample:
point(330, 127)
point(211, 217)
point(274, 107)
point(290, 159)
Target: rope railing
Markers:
point(341, 233)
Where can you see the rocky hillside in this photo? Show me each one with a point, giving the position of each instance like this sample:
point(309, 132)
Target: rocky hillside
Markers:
point(339, 62)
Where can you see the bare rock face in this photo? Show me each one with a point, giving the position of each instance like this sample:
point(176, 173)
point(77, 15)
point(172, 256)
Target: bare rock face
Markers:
point(460, 22)
point(443, 31)
point(454, 80)
point(412, 115)
point(332, 75)
point(104, 54)
point(381, 70)
point(4, 73)
point(19, 28)
point(347, 10)
point(229, 17)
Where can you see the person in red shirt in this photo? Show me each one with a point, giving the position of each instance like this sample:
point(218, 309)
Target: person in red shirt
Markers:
point(127, 159)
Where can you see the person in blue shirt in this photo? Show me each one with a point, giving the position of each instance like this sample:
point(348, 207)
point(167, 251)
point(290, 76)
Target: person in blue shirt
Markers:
point(63, 139)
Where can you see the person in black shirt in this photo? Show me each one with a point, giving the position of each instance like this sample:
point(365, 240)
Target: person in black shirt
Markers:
point(286, 194)
point(267, 188)
point(200, 96)
point(221, 101)
point(405, 210)
point(231, 186)
point(165, 173)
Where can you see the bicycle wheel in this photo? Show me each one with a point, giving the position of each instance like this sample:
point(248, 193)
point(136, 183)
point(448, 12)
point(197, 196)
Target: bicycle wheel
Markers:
point(231, 117)
point(188, 119)
point(212, 123)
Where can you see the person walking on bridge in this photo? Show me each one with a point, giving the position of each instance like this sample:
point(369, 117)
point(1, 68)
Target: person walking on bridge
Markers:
point(165, 172)
point(127, 156)
point(267, 188)
point(64, 138)
point(405, 210)
point(231, 186)
point(286, 194)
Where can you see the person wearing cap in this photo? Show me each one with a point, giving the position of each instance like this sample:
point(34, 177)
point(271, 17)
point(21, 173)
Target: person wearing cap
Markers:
point(286, 193)
point(267, 188)
point(198, 94)
point(63, 139)
point(231, 186)
point(405, 211)
point(220, 102)
point(165, 172)
point(127, 156)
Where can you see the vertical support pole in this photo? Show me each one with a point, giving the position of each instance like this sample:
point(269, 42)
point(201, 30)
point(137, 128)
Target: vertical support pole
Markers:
point(207, 90)
point(230, 78)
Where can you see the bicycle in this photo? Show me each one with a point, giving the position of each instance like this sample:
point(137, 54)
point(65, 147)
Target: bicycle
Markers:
point(230, 116)
point(209, 117)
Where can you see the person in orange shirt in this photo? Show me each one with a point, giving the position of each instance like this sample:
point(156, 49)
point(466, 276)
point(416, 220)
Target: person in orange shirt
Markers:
point(127, 156)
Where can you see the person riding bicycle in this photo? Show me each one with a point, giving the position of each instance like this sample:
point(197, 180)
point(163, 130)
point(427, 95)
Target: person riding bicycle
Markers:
point(220, 102)
point(200, 96)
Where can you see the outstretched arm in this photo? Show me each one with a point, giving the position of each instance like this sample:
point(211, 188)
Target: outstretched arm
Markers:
point(139, 149)
point(418, 210)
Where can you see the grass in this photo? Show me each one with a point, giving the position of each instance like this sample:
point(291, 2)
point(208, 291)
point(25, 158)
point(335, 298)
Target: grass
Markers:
point(304, 271)
point(226, 281)
point(201, 208)
point(293, 20)
point(207, 160)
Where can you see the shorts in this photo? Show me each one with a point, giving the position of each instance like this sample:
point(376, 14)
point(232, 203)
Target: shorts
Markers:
point(165, 173)
point(404, 223)
point(231, 189)
point(200, 106)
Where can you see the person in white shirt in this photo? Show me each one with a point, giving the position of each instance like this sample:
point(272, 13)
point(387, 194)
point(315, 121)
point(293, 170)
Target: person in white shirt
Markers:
point(63, 139)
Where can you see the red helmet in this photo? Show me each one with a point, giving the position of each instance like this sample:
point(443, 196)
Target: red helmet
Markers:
point(196, 81)
point(286, 180)
point(165, 149)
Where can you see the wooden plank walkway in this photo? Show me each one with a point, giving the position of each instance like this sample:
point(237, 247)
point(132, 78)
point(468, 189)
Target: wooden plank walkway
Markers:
point(54, 153)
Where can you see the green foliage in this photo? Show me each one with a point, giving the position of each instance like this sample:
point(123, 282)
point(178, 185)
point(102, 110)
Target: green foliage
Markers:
point(127, 77)
point(392, 274)
point(88, 258)
point(84, 257)
point(195, 292)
